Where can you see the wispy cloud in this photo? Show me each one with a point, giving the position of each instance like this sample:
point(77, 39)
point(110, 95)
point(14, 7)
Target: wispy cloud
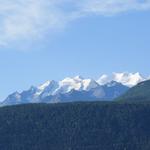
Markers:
point(31, 19)
point(111, 7)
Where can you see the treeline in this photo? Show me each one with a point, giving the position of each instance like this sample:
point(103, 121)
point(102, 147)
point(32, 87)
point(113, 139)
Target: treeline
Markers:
point(75, 126)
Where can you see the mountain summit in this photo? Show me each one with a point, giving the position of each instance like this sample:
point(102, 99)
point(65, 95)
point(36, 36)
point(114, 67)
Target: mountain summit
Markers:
point(127, 79)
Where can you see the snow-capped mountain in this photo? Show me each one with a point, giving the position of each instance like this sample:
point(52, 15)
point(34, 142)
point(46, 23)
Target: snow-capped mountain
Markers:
point(77, 83)
point(46, 89)
point(77, 89)
point(127, 79)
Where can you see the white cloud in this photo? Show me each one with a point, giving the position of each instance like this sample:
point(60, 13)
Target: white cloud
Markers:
point(31, 19)
point(111, 7)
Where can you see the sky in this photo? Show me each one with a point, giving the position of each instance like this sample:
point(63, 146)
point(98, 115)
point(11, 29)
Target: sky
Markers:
point(48, 39)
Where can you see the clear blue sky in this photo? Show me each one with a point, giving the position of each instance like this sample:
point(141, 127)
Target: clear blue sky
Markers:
point(89, 46)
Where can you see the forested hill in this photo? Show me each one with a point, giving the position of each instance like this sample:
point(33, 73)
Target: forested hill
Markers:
point(138, 93)
point(75, 126)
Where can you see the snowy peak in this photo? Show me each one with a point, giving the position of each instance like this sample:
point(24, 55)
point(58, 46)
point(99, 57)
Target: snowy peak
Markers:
point(69, 84)
point(12, 99)
point(104, 79)
point(46, 84)
point(78, 77)
point(89, 84)
point(77, 83)
point(48, 88)
point(127, 79)
point(43, 86)
point(15, 95)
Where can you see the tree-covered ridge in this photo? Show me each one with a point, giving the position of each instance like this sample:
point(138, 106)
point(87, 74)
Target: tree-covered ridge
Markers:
point(75, 126)
point(140, 92)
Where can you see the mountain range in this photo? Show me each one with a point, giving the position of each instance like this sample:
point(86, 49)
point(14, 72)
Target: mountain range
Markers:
point(106, 88)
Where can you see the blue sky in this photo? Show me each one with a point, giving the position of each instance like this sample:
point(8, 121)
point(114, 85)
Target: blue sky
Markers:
point(51, 40)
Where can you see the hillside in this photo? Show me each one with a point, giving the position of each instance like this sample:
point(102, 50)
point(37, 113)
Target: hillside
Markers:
point(140, 92)
point(75, 126)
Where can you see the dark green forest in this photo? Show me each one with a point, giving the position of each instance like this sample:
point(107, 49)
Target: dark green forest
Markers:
point(76, 126)
point(138, 93)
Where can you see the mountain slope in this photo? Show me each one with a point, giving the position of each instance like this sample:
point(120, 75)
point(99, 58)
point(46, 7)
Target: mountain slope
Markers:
point(140, 92)
point(114, 90)
point(75, 126)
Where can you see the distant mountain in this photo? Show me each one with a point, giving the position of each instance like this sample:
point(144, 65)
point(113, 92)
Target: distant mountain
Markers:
point(106, 92)
point(106, 88)
point(140, 92)
point(68, 90)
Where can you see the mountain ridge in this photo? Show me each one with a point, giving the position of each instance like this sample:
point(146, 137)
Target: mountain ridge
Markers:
point(76, 88)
